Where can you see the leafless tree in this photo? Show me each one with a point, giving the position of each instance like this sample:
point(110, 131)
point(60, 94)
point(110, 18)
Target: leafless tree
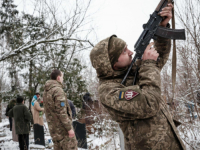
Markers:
point(68, 26)
point(188, 73)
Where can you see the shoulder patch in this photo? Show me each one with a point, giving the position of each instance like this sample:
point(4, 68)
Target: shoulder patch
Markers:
point(62, 104)
point(129, 94)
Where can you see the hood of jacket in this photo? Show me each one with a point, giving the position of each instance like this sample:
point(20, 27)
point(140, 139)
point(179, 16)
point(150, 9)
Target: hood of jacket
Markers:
point(100, 60)
point(52, 83)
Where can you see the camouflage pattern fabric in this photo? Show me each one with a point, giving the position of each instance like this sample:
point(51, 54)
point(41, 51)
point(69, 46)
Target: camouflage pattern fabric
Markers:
point(139, 109)
point(115, 48)
point(66, 144)
point(58, 113)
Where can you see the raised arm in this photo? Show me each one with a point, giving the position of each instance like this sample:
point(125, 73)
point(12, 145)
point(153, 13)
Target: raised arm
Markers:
point(163, 46)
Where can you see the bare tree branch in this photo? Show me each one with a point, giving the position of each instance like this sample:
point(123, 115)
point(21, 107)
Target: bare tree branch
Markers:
point(21, 49)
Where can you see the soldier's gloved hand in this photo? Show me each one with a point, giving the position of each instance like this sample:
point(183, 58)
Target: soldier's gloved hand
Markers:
point(71, 133)
point(150, 53)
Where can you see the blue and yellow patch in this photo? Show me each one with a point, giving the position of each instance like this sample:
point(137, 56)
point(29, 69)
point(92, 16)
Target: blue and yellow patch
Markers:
point(121, 95)
point(62, 104)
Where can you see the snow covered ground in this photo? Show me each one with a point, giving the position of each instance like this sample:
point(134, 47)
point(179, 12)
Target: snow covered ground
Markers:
point(94, 143)
point(189, 134)
point(6, 143)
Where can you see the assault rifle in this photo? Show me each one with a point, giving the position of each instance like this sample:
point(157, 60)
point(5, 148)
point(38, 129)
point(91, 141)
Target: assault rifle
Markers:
point(151, 31)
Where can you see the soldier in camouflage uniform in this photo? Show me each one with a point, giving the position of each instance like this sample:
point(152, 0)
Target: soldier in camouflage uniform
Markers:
point(58, 113)
point(139, 109)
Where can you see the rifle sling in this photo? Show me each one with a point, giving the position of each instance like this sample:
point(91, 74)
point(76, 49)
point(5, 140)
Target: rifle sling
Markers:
point(173, 60)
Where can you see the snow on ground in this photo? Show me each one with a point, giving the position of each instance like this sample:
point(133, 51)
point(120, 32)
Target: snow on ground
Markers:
point(4, 123)
point(6, 143)
point(104, 143)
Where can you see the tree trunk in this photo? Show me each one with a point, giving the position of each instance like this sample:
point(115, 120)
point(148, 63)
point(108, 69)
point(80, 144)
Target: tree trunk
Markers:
point(0, 110)
point(30, 83)
point(198, 59)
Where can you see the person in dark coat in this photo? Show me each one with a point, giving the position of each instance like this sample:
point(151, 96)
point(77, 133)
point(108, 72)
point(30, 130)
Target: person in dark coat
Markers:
point(72, 108)
point(22, 118)
point(87, 97)
point(9, 107)
point(87, 100)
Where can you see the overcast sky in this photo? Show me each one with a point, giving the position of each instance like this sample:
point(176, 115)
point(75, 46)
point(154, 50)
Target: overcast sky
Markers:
point(123, 18)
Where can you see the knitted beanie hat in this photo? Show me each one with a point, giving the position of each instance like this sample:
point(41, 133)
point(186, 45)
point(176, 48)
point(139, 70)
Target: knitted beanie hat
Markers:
point(115, 48)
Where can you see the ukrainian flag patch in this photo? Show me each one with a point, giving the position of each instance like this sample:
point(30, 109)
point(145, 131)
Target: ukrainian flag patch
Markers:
point(121, 95)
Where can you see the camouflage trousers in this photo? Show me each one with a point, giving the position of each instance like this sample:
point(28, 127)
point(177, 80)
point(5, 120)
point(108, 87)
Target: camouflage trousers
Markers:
point(66, 144)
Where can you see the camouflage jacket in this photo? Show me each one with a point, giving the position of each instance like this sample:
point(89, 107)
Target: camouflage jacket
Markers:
point(57, 110)
point(139, 109)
